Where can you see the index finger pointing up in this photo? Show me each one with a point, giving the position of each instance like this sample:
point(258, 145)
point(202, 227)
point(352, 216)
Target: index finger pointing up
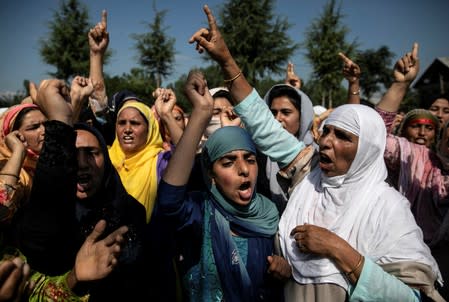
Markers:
point(104, 18)
point(210, 18)
point(345, 59)
point(415, 51)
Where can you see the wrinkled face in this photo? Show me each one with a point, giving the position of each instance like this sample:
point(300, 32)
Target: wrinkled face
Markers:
point(420, 133)
point(286, 114)
point(235, 176)
point(338, 149)
point(33, 130)
point(132, 130)
point(90, 164)
point(220, 103)
point(179, 118)
point(440, 108)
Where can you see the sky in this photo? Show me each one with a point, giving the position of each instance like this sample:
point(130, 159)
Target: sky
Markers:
point(394, 23)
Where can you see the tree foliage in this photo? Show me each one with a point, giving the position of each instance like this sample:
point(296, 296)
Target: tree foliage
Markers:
point(376, 67)
point(156, 49)
point(325, 37)
point(67, 47)
point(256, 38)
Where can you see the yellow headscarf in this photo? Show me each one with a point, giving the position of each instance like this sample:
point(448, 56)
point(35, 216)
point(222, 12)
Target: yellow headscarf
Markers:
point(139, 171)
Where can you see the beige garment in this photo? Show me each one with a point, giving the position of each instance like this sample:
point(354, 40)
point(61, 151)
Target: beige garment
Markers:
point(415, 275)
point(313, 292)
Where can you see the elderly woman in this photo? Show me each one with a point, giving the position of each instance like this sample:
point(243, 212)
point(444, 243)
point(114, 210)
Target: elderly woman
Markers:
point(338, 231)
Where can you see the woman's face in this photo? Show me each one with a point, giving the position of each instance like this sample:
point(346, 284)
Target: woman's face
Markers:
point(440, 108)
point(420, 133)
point(235, 175)
point(220, 103)
point(132, 130)
point(286, 114)
point(33, 130)
point(443, 144)
point(90, 164)
point(338, 149)
point(179, 118)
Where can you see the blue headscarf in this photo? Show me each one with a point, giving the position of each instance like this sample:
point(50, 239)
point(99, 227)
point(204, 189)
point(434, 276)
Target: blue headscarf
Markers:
point(257, 221)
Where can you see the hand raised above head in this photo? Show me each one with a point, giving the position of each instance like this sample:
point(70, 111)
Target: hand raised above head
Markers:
point(211, 40)
point(291, 78)
point(99, 36)
point(351, 71)
point(406, 68)
point(197, 92)
point(165, 101)
point(53, 98)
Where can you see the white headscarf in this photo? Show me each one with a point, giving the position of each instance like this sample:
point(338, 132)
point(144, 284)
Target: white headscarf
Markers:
point(359, 207)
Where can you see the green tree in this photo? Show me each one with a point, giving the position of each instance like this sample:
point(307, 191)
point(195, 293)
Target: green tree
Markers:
point(376, 70)
point(156, 50)
point(325, 37)
point(256, 38)
point(66, 47)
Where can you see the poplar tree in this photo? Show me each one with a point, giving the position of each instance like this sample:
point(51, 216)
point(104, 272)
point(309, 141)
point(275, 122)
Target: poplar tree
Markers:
point(67, 47)
point(325, 37)
point(257, 38)
point(156, 53)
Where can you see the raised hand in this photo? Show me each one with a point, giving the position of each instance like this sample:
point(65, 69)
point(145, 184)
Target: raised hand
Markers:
point(351, 71)
point(197, 92)
point(211, 40)
point(80, 90)
point(291, 78)
point(165, 101)
point(99, 36)
point(406, 68)
point(54, 100)
point(97, 258)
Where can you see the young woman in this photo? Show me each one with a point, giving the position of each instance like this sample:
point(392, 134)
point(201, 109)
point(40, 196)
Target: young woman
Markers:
point(228, 230)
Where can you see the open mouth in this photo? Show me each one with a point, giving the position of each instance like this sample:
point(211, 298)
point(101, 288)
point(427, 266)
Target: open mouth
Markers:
point(244, 186)
point(83, 179)
point(325, 159)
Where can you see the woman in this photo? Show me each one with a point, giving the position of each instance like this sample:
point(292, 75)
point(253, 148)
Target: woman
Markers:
point(137, 152)
point(26, 120)
point(228, 230)
point(334, 253)
point(293, 109)
point(421, 127)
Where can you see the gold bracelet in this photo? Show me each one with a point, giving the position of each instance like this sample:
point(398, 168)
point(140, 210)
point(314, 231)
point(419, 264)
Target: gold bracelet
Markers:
point(233, 78)
point(355, 92)
point(356, 267)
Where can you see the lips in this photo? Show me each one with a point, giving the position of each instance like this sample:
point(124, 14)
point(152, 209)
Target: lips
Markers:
point(245, 190)
point(83, 181)
point(325, 159)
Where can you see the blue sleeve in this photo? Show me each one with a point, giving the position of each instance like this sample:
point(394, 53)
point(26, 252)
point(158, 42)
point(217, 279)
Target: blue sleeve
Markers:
point(375, 284)
point(183, 209)
point(268, 134)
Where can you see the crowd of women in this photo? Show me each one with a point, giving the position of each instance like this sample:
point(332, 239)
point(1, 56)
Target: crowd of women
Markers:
point(247, 199)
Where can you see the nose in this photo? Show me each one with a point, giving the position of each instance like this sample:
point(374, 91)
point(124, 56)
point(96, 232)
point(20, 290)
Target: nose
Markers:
point(82, 159)
point(243, 169)
point(278, 117)
point(422, 130)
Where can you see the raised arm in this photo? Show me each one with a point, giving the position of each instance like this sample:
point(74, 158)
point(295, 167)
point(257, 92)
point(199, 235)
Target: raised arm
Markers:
point(351, 72)
point(291, 77)
point(180, 165)
point(98, 43)
point(165, 102)
point(211, 40)
point(405, 71)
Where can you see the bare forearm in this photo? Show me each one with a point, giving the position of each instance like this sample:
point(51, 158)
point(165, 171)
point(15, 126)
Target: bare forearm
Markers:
point(173, 128)
point(392, 99)
point(354, 92)
point(179, 167)
point(96, 75)
point(239, 88)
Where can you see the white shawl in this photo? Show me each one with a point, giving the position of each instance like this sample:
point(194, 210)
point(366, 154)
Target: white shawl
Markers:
point(359, 207)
